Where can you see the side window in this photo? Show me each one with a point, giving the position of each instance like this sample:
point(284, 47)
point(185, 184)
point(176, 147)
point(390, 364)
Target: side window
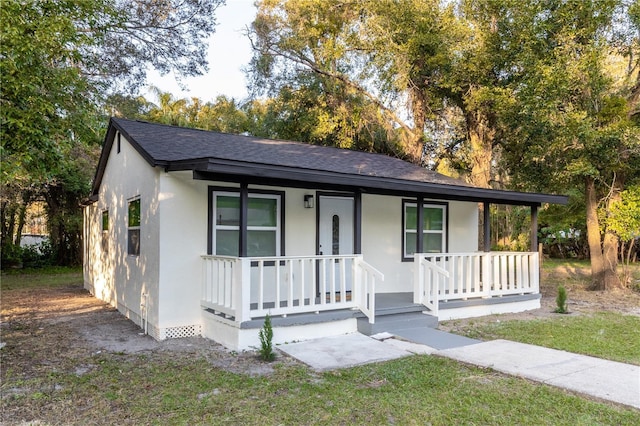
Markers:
point(105, 230)
point(133, 229)
point(105, 220)
point(434, 229)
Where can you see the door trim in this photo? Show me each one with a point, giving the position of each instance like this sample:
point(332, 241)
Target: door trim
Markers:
point(357, 217)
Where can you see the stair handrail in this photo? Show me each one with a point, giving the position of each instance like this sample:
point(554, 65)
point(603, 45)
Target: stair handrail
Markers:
point(425, 286)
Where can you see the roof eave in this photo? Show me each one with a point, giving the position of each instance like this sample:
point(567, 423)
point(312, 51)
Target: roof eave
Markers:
point(258, 173)
point(107, 145)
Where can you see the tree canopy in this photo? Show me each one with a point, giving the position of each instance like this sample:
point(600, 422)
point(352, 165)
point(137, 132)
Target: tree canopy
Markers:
point(59, 60)
point(524, 95)
point(539, 95)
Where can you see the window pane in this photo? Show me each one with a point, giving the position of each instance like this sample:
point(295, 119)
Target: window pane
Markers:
point(409, 243)
point(262, 212)
point(433, 219)
point(261, 243)
point(227, 243)
point(133, 246)
point(411, 217)
point(228, 211)
point(105, 220)
point(134, 213)
point(335, 235)
point(432, 243)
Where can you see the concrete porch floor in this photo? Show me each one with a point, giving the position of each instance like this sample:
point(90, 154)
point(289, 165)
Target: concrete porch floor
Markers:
point(387, 305)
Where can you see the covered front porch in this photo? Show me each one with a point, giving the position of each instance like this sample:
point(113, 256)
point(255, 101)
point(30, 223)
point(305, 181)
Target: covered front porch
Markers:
point(240, 290)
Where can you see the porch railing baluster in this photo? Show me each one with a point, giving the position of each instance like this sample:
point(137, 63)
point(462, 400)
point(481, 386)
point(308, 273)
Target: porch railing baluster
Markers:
point(460, 276)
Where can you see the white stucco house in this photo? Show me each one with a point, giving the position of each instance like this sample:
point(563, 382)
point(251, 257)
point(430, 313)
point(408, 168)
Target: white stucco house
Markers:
point(196, 233)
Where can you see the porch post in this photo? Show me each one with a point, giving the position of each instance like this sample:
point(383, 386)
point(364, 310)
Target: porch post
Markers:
point(534, 228)
point(486, 226)
point(357, 220)
point(244, 209)
point(419, 225)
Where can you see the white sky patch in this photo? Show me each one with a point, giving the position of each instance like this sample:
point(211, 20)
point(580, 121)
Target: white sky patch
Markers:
point(229, 52)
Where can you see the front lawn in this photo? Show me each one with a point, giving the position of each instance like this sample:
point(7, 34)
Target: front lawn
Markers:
point(608, 335)
point(52, 373)
point(166, 388)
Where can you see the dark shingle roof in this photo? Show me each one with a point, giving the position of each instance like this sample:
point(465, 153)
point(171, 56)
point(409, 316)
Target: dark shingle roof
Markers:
point(170, 144)
point(213, 154)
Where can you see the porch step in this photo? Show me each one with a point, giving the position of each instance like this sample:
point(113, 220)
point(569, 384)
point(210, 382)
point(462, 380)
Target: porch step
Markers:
point(397, 323)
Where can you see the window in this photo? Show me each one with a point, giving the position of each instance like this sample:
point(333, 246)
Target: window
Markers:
point(335, 246)
point(105, 231)
point(105, 220)
point(434, 226)
point(133, 231)
point(263, 224)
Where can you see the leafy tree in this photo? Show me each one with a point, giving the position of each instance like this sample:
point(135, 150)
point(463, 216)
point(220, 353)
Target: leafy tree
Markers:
point(623, 219)
point(572, 123)
point(58, 61)
point(223, 115)
point(316, 53)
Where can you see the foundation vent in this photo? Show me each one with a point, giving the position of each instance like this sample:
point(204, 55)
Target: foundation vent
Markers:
point(180, 332)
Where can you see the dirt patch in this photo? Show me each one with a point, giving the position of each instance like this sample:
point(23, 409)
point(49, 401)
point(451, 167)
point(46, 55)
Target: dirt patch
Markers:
point(48, 330)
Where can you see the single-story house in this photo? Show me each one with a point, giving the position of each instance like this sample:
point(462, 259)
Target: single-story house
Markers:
point(197, 233)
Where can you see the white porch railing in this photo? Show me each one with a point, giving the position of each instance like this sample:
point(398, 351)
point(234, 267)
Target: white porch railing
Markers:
point(250, 287)
point(461, 276)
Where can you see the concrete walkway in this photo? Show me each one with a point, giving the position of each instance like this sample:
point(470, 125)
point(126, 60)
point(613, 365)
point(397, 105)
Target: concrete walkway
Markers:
point(607, 380)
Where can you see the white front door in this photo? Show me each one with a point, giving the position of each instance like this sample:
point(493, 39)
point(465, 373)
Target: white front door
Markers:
point(335, 233)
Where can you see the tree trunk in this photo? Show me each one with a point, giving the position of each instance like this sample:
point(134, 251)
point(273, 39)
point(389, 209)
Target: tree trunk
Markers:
point(593, 235)
point(419, 109)
point(611, 242)
point(481, 135)
point(22, 214)
point(603, 254)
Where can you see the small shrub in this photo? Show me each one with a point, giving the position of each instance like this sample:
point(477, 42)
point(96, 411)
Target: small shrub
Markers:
point(266, 340)
point(561, 301)
point(11, 256)
point(38, 255)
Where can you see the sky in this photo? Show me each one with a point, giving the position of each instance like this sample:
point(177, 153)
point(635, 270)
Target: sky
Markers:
point(229, 51)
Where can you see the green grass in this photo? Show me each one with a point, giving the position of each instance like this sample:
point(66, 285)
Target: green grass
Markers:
point(181, 388)
point(574, 264)
point(416, 390)
point(606, 335)
point(53, 276)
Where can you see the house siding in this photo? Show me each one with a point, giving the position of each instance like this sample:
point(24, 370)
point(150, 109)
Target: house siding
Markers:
point(110, 273)
point(183, 211)
point(176, 207)
point(382, 237)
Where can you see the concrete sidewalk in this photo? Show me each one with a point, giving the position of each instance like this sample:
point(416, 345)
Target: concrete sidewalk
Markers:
point(607, 380)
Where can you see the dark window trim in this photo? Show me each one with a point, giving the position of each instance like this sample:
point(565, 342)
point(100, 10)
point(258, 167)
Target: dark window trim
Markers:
point(133, 228)
point(425, 201)
point(243, 229)
point(118, 143)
